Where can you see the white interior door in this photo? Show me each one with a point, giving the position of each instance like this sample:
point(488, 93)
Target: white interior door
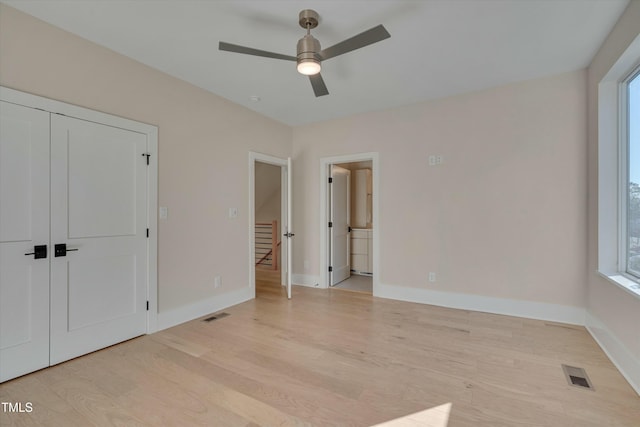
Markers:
point(289, 228)
point(284, 213)
point(339, 230)
point(24, 224)
point(99, 211)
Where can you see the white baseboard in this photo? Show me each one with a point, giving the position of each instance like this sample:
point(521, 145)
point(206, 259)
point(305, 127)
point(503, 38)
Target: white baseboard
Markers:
point(622, 358)
point(306, 280)
point(167, 319)
point(509, 307)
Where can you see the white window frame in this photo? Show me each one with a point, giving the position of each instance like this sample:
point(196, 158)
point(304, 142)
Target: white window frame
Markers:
point(612, 170)
point(623, 173)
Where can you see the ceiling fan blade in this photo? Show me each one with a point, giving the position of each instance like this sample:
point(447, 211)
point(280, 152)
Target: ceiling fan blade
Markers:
point(363, 39)
point(319, 88)
point(250, 51)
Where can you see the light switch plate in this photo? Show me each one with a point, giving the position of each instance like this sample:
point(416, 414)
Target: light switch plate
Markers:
point(233, 212)
point(164, 212)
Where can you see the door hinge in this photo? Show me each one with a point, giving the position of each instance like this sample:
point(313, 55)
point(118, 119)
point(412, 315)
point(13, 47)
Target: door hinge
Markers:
point(330, 224)
point(330, 180)
point(147, 233)
point(330, 269)
point(147, 305)
point(147, 155)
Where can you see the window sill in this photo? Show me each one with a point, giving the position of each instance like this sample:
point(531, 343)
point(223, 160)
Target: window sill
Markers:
point(629, 285)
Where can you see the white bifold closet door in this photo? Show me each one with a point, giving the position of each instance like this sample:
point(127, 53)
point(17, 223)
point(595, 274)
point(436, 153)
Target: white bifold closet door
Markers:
point(78, 188)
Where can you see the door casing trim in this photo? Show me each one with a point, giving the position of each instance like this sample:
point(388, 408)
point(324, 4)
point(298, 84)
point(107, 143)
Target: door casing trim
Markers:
point(325, 163)
point(276, 161)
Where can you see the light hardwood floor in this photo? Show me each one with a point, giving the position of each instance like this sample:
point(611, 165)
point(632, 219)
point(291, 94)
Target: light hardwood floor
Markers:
point(330, 357)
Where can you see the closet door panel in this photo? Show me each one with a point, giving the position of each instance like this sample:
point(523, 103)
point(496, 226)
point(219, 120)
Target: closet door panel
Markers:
point(24, 225)
point(99, 211)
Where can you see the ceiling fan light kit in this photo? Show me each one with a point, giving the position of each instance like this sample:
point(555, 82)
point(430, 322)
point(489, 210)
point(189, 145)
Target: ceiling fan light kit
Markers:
point(309, 55)
point(308, 67)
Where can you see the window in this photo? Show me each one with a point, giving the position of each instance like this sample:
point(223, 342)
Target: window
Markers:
point(631, 147)
point(619, 171)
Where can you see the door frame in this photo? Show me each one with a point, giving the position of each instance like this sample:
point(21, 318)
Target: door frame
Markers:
point(57, 107)
point(325, 164)
point(276, 161)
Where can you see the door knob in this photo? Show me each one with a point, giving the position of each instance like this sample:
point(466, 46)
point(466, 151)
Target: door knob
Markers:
point(61, 249)
point(39, 251)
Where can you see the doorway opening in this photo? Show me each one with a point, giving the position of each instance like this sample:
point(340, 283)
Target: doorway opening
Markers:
point(349, 226)
point(268, 215)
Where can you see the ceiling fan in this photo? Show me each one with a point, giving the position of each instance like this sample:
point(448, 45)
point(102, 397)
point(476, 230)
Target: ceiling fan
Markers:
point(309, 56)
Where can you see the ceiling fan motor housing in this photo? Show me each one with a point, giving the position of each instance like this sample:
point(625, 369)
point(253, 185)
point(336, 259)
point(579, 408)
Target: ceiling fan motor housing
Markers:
point(308, 49)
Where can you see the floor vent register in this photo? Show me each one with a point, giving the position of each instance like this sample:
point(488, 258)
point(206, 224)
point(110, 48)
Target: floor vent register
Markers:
point(216, 317)
point(577, 377)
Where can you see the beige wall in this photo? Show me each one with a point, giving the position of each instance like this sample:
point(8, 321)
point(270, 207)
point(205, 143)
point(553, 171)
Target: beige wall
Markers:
point(504, 215)
point(204, 142)
point(616, 312)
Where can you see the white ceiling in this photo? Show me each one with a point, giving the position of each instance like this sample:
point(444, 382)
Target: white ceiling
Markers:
point(437, 48)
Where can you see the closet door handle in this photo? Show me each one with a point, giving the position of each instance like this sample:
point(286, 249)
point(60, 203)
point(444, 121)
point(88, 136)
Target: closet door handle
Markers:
point(39, 252)
point(61, 250)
